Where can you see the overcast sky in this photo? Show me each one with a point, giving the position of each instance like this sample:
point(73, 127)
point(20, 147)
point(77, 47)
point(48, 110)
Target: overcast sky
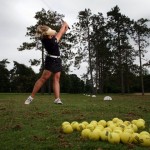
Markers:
point(17, 15)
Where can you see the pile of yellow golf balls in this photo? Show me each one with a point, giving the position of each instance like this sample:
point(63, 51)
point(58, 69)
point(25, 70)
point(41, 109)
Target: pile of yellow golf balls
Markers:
point(113, 131)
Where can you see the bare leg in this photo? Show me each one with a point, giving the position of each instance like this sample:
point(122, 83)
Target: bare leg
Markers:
point(46, 74)
point(56, 85)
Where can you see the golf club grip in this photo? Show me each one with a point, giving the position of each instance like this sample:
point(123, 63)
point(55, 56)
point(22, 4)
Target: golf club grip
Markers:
point(64, 21)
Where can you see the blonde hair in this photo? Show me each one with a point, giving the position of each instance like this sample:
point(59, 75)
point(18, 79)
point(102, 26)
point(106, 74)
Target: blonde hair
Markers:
point(43, 30)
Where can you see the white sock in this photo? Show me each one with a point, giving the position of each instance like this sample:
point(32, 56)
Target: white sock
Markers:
point(31, 97)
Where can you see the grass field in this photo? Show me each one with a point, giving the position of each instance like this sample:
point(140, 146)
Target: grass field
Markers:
point(38, 126)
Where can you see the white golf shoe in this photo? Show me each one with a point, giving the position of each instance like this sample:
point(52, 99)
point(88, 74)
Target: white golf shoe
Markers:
point(58, 101)
point(28, 100)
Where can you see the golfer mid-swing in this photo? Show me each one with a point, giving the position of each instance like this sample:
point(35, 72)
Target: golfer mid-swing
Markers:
point(53, 65)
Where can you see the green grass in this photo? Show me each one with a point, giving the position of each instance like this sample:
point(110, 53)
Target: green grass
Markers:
point(38, 126)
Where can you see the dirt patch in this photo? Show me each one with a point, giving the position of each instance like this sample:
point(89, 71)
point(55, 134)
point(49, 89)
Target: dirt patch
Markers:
point(17, 127)
point(38, 138)
point(131, 115)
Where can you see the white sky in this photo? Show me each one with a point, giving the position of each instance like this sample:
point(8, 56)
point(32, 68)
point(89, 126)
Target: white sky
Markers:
point(17, 15)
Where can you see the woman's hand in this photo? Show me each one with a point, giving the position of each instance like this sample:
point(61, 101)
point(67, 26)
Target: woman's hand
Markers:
point(62, 31)
point(65, 24)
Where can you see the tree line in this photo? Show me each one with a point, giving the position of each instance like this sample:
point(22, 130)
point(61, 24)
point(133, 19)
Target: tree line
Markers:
point(109, 45)
point(22, 79)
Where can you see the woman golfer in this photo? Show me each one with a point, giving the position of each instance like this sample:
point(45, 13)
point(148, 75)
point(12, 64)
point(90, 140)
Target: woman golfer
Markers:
point(50, 40)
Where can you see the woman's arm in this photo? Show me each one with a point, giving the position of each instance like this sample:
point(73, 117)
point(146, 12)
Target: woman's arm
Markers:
point(62, 31)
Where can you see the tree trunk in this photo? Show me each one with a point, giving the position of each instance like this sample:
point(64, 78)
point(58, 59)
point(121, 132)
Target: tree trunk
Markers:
point(90, 63)
point(122, 80)
point(120, 64)
point(97, 62)
point(43, 87)
point(141, 72)
point(121, 71)
point(100, 78)
point(127, 74)
point(127, 78)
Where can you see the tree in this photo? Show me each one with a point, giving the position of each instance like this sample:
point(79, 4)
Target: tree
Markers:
point(82, 37)
point(22, 78)
point(120, 27)
point(146, 82)
point(101, 51)
point(70, 83)
point(65, 83)
point(4, 76)
point(141, 35)
point(77, 85)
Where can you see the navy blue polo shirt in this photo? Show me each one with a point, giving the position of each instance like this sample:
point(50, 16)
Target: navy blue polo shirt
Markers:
point(51, 46)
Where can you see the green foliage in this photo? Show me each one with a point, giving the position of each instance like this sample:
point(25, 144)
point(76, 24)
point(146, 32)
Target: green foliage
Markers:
point(77, 85)
point(81, 32)
point(146, 83)
point(105, 44)
point(141, 34)
point(22, 78)
point(4, 76)
point(122, 51)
